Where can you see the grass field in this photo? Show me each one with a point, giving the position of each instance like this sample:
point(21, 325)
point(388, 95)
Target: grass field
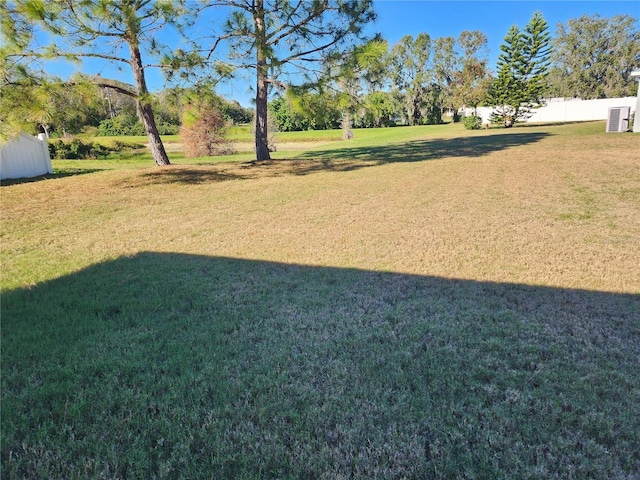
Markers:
point(419, 302)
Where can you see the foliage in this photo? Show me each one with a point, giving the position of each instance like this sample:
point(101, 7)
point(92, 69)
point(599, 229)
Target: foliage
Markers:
point(21, 107)
point(320, 109)
point(593, 57)
point(35, 103)
point(235, 112)
point(446, 67)
point(284, 37)
point(472, 122)
point(122, 124)
point(411, 73)
point(353, 74)
point(285, 118)
point(522, 72)
point(473, 80)
point(204, 128)
point(437, 75)
point(80, 30)
point(77, 148)
point(378, 109)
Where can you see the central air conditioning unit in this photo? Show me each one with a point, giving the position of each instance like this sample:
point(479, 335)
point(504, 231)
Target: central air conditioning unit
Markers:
point(618, 119)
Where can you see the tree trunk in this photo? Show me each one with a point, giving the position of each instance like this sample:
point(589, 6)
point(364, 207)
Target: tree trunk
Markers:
point(145, 111)
point(158, 152)
point(262, 70)
point(410, 110)
point(347, 133)
point(262, 133)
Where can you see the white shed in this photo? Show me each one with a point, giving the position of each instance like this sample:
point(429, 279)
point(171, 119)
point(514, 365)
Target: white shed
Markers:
point(25, 156)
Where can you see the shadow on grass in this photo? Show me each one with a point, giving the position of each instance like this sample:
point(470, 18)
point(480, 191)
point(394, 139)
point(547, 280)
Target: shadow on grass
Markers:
point(67, 172)
point(557, 124)
point(188, 366)
point(344, 159)
point(187, 175)
point(431, 149)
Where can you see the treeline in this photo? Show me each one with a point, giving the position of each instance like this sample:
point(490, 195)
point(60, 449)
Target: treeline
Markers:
point(84, 108)
point(355, 81)
point(423, 80)
point(419, 80)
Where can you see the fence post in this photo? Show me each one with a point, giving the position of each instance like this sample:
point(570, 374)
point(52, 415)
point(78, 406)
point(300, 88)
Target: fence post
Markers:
point(43, 141)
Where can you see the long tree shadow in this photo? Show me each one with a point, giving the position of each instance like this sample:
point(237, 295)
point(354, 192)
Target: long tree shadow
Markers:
point(430, 149)
point(349, 158)
point(332, 159)
point(171, 365)
point(192, 175)
point(67, 172)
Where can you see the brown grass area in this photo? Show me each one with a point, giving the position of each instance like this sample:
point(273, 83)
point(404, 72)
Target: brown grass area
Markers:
point(561, 210)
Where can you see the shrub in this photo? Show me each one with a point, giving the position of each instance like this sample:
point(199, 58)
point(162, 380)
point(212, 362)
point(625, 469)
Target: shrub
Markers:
point(168, 129)
point(89, 131)
point(203, 131)
point(122, 124)
point(76, 149)
point(472, 122)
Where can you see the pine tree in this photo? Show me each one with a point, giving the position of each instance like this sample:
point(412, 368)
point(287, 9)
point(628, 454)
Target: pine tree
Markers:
point(119, 33)
point(522, 72)
point(282, 37)
point(536, 57)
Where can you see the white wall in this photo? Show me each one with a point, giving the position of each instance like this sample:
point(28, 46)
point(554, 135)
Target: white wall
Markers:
point(25, 156)
point(559, 110)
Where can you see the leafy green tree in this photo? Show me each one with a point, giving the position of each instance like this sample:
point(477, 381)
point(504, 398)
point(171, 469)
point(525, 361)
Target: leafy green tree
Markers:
point(412, 73)
point(523, 68)
point(593, 57)
point(122, 124)
point(473, 80)
point(275, 37)
point(379, 109)
point(22, 105)
point(236, 112)
point(70, 107)
point(352, 76)
point(446, 70)
point(285, 118)
point(22, 100)
point(116, 31)
point(31, 102)
point(318, 108)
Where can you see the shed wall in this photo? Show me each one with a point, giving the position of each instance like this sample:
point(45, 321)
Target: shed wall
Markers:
point(25, 156)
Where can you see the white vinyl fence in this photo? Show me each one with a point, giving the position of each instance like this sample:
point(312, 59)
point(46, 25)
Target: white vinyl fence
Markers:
point(25, 156)
point(560, 110)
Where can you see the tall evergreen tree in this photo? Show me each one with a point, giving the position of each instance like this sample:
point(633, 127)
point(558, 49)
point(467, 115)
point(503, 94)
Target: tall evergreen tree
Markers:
point(523, 69)
point(275, 37)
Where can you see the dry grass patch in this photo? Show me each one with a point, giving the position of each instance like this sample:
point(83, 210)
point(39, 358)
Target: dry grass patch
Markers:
point(551, 209)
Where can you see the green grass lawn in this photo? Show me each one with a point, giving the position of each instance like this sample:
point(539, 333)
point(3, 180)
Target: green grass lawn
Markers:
point(419, 302)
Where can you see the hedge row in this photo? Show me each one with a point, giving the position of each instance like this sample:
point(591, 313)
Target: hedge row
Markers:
point(80, 149)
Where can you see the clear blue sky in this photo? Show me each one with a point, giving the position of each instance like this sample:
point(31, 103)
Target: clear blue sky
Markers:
point(397, 18)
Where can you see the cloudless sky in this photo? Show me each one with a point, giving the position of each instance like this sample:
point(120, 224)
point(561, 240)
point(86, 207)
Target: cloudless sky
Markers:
point(438, 18)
